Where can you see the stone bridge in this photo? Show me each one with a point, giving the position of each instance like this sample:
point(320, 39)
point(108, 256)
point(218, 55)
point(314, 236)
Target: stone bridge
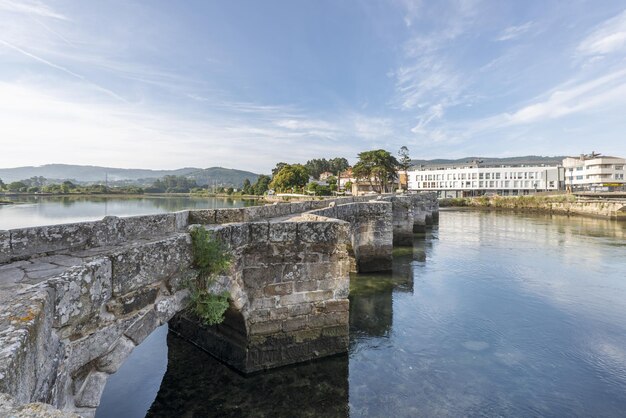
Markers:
point(76, 299)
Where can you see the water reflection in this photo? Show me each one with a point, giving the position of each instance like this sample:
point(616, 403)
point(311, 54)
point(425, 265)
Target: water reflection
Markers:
point(197, 385)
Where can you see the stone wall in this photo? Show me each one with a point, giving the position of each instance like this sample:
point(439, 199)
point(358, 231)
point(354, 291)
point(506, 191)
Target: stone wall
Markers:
point(371, 232)
point(290, 287)
point(73, 317)
point(559, 204)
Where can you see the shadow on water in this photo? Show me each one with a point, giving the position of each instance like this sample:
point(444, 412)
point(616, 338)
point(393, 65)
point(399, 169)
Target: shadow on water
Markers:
point(197, 385)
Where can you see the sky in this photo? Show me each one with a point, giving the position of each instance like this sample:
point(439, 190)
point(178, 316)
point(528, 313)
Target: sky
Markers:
point(246, 83)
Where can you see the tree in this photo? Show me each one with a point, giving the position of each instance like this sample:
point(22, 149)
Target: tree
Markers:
point(17, 186)
point(378, 167)
point(404, 161)
point(247, 187)
point(261, 185)
point(338, 165)
point(278, 167)
point(1, 184)
point(318, 166)
point(289, 177)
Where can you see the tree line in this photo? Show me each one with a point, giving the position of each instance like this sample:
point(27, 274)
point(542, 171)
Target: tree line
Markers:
point(377, 167)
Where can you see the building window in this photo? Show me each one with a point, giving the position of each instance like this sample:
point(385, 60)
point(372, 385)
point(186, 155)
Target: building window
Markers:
point(619, 177)
point(619, 167)
point(579, 177)
point(497, 176)
point(480, 176)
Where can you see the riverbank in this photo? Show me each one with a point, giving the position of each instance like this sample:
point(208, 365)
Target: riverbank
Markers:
point(561, 204)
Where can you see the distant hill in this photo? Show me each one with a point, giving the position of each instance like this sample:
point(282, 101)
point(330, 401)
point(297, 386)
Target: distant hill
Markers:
point(527, 159)
point(94, 174)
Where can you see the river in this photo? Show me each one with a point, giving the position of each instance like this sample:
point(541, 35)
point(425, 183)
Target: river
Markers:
point(49, 210)
point(488, 314)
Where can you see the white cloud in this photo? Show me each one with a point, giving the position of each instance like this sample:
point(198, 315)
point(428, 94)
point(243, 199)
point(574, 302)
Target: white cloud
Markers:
point(589, 95)
point(513, 32)
point(608, 37)
point(30, 7)
point(39, 126)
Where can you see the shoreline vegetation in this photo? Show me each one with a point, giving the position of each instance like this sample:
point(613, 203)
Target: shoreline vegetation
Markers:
point(507, 202)
point(564, 204)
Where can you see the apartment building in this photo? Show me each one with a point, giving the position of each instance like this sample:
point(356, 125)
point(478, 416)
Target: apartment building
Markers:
point(473, 179)
point(594, 172)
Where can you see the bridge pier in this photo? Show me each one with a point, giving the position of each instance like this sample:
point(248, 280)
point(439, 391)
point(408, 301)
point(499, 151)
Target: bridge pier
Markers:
point(293, 277)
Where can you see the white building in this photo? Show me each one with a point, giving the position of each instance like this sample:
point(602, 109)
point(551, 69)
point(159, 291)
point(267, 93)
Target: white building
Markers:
point(594, 172)
point(473, 180)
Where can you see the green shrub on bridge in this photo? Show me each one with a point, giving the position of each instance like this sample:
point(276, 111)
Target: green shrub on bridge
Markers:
point(211, 259)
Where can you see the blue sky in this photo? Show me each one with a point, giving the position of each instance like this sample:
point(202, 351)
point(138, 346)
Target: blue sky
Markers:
point(245, 84)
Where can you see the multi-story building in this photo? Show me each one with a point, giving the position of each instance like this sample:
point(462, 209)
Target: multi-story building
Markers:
point(474, 179)
point(594, 172)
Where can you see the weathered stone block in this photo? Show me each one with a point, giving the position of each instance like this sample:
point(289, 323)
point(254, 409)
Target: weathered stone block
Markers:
point(167, 307)
point(259, 277)
point(305, 285)
point(147, 226)
point(283, 232)
point(299, 207)
point(80, 293)
point(264, 328)
point(144, 264)
point(318, 295)
point(259, 232)
point(301, 309)
point(112, 361)
point(279, 289)
point(259, 315)
point(230, 215)
point(202, 217)
point(44, 239)
point(133, 301)
point(5, 246)
point(333, 306)
point(182, 220)
point(294, 299)
point(295, 324)
point(316, 232)
point(239, 235)
point(279, 313)
point(89, 348)
point(91, 392)
point(142, 327)
point(27, 345)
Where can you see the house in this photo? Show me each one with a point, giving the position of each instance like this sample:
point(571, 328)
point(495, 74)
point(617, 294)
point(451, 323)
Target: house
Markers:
point(594, 172)
point(475, 179)
point(325, 175)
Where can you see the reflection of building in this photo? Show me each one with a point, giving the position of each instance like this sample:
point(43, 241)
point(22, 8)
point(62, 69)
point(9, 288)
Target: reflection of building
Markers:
point(594, 172)
point(474, 179)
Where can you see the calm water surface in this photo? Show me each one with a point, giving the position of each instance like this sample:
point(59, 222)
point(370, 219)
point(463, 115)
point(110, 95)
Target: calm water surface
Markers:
point(490, 314)
point(49, 210)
